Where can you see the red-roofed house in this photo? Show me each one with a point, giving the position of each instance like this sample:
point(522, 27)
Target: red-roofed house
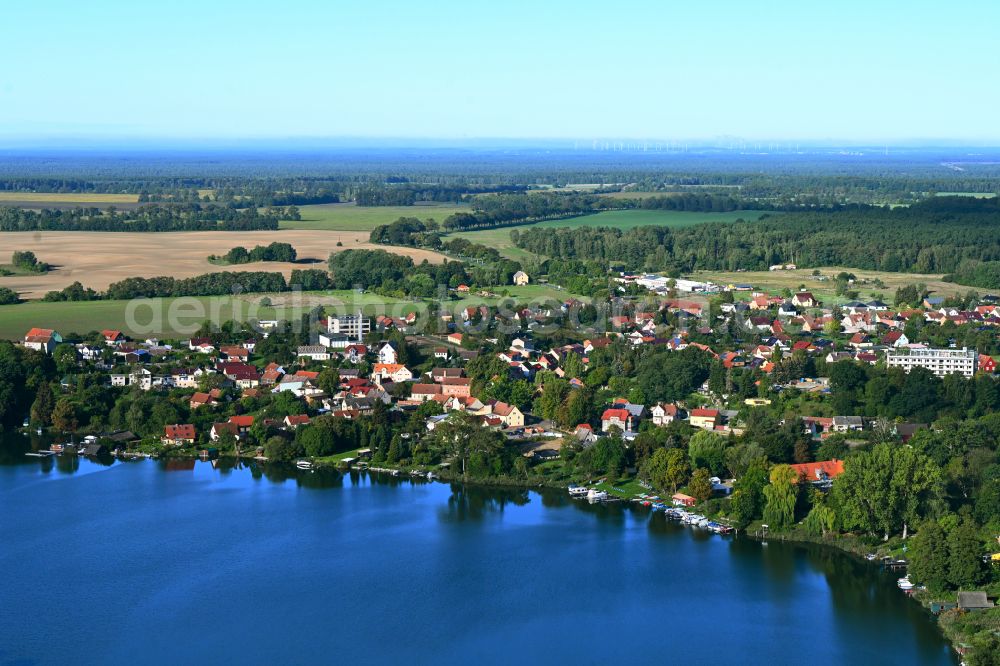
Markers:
point(511, 416)
point(819, 472)
point(242, 422)
point(664, 413)
point(178, 434)
point(295, 420)
point(112, 337)
point(704, 418)
point(987, 364)
point(616, 418)
point(42, 339)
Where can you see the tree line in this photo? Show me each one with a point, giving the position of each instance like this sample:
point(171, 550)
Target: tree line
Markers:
point(168, 217)
point(937, 235)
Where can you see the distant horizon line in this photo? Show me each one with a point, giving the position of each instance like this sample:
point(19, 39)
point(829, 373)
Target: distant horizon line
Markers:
point(583, 144)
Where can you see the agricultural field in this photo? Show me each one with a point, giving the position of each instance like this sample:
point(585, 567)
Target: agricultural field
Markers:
point(825, 290)
point(98, 258)
point(180, 317)
point(82, 198)
point(975, 195)
point(349, 217)
point(624, 219)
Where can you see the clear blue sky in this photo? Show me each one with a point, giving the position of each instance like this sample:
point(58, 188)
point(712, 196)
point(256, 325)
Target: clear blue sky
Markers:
point(867, 70)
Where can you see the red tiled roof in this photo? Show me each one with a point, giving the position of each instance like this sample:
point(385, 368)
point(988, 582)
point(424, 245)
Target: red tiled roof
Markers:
point(179, 431)
point(830, 468)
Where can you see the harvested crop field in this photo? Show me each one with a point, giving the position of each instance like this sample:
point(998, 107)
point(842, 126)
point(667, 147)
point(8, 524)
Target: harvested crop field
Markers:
point(67, 200)
point(96, 259)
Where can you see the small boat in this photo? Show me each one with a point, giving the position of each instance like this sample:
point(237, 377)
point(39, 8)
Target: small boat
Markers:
point(596, 495)
point(26, 424)
point(871, 557)
point(578, 491)
point(57, 448)
point(304, 464)
point(904, 583)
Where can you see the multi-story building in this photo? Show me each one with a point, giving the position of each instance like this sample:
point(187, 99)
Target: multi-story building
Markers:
point(353, 326)
point(939, 361)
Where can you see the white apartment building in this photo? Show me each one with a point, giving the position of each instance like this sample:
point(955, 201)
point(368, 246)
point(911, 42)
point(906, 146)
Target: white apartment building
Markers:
point(353, 326)
point(939, 361)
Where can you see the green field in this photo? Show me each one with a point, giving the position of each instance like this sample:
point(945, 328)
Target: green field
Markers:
point(825, 290)
point(348, 217)
point(622, 219)
point(181, 317)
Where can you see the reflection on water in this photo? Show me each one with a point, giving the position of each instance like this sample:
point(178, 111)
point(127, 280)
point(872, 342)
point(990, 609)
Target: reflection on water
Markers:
point(557, 556)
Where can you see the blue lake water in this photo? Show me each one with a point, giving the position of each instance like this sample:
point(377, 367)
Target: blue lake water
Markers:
point(157, 563)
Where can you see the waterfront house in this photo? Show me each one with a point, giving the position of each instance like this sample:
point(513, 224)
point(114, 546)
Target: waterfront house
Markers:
point(178, 434)
point(973, 601)
point(680, 499)
point(820, 473)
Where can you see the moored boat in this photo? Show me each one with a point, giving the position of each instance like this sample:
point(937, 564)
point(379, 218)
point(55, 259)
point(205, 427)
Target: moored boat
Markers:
point(304, 464)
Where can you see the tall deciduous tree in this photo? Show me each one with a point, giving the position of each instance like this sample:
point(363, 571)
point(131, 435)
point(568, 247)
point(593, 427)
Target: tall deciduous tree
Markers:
point(780, 495)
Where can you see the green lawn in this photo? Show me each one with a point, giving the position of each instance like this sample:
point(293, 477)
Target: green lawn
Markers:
point(181, 317)
point(348, 217)
point(628, 219)
point(623, 219)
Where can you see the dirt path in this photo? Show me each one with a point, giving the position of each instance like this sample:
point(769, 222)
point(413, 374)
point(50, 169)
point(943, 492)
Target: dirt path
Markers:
point(96, 259)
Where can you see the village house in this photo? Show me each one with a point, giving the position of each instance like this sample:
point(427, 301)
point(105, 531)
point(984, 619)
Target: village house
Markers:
point(201, 345)
point(313, 353)
point(804, 299)
point(355, 353)
point(848, 424)
point(293, 421)
point(987, 364)
point(220, 429)
point(178, 434)
point(706, 419)
point(521, 278)
point(616, 418)
point(424, 392)
point(387, 354)
point(680, 499)
point(42, 339)
point(820, 473)
point(510, 415)
point(235, 353)
point(200, 399)
point(393, 372)
point(112, 337)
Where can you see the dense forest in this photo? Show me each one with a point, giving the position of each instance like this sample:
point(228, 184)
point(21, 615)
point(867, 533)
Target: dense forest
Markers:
point(937, 235)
